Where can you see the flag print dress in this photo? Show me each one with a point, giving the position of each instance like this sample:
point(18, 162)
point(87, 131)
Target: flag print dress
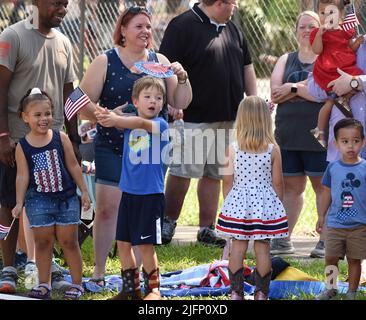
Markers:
point(252, 209)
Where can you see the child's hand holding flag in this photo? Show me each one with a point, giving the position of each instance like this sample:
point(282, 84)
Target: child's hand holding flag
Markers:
point(4, 230)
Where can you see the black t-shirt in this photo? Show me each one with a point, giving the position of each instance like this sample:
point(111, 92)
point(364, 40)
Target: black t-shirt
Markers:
point(214, 57)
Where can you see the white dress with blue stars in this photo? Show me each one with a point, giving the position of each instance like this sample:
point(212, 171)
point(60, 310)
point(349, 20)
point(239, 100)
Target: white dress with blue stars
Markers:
point(252, 209)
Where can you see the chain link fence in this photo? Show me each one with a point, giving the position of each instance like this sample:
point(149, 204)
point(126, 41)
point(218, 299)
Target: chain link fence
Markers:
point(267, 24)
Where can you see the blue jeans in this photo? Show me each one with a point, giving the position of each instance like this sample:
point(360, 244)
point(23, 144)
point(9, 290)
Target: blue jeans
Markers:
point(43, 210)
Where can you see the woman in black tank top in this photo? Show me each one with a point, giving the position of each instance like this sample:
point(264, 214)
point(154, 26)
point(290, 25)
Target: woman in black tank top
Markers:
point(296, 115)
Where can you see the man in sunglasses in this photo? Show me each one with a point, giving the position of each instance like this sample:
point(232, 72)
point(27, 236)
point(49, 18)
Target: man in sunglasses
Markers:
point(214, 52)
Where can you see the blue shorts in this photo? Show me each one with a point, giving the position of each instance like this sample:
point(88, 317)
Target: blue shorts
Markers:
point(301, 163)
point(44, 211)
point(108, 164)
point(7, 186)
point(140, 218)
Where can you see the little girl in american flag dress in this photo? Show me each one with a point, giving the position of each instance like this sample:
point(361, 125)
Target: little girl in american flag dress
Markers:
point(253, 187)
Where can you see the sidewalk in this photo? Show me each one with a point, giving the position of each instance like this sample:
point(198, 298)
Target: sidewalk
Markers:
point(187, 234)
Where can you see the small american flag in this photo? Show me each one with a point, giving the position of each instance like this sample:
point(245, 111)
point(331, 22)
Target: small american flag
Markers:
point(350, 21)
point(4, 231)
point(75, 102)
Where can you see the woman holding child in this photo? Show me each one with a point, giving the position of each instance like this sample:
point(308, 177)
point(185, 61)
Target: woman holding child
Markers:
point(296, 115)
point(108, 82)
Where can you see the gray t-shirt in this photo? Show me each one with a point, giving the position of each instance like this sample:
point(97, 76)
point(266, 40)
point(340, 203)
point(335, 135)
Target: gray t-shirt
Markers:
point(348, 189)
point(39, 61)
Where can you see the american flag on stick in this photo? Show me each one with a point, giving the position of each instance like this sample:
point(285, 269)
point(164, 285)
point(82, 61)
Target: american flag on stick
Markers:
point(350, 21)
point(4, 231)
point(75, 102)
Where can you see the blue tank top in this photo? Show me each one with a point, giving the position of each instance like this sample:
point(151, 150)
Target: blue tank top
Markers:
point(47, 171)
point(117, 91)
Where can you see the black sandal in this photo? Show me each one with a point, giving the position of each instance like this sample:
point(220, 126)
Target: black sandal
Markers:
point(98, 281)
point(74, 293)
point(95, 285)
point(41, 291)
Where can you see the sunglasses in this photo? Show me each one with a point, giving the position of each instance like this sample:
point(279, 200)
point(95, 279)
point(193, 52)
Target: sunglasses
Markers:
point(136, 10)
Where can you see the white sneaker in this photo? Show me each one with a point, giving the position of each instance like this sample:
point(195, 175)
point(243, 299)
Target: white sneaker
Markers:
point(31, 275)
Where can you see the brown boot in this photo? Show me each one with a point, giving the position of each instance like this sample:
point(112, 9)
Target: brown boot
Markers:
point(262, 285)
point(152, 285)
point(130, 285)
point(237, 284)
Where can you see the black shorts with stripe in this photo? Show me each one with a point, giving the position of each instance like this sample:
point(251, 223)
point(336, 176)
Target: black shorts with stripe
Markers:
point(140, 218)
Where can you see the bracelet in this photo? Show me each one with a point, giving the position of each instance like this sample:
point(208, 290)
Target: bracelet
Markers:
point(4, 134)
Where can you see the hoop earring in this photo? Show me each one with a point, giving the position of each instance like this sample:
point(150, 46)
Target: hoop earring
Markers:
point(123, 40)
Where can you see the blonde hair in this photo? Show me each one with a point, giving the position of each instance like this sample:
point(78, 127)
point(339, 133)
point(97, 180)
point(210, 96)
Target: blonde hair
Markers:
point(253, 124)
point(309, 13)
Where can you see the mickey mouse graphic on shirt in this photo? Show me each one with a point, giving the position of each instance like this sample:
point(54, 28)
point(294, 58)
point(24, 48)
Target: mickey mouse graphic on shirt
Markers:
point(348, 185)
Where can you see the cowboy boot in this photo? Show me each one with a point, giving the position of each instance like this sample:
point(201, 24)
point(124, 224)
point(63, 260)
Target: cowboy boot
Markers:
point(262, 285)
point(130, 285)
point(237, 284)
point(152, 284)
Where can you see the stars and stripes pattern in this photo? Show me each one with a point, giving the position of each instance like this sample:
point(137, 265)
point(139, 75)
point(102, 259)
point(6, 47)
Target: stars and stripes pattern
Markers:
point(47, 171)
point(252, 227)
point(350, 22)
point(75, 102)
point(4, 231)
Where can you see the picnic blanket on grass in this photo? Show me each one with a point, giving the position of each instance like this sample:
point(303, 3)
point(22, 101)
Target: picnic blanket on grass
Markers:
point(213, 280)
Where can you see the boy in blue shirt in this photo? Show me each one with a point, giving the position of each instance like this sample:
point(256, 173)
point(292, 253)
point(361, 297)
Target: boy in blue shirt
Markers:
point(142, 205)
point(343, 203)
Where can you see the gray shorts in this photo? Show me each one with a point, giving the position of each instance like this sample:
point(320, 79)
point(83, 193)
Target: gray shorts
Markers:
point(202, 152)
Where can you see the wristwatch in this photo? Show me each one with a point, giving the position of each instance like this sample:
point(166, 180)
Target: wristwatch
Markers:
point(294, 88)
point(354, 83)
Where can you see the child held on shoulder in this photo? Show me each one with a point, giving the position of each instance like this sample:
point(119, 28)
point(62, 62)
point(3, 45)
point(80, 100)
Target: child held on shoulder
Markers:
point(253, 190)
point(343, 207)
point(46, 171)
point(142, 182)
point(336, 47)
